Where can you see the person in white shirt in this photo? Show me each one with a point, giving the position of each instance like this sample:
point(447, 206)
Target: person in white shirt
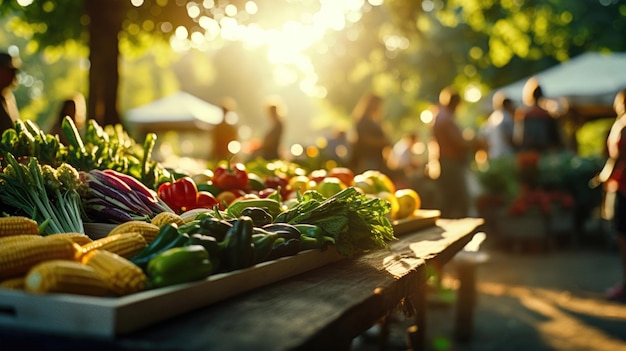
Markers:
point(497, 132)
point(9, 113)
point(403, 154)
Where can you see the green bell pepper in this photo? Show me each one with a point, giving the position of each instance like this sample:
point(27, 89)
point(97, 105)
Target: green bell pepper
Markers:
point(179, 265)
point(210, 244)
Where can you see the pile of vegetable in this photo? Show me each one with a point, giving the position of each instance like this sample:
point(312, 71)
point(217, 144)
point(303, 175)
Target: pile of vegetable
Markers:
point(174, 227)
point(252, 231)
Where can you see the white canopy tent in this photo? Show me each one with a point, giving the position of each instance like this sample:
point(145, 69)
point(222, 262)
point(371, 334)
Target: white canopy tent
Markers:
point(183, 124)
point(587, 83)
point(179, 111)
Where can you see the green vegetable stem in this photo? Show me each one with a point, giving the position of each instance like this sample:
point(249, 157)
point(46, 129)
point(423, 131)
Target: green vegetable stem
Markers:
point(236, 249)
point(167, 238)
point(43, 193)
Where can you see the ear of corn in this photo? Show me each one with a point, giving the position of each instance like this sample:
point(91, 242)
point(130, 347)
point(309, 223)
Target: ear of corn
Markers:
point(17, 225)
point(16, 283)
point(61, 276)
point(17, 258)
point(123, 276)
point(78, 238)
point(148, 230)
point(167, 218)
point(8, 240)
point(123, 244)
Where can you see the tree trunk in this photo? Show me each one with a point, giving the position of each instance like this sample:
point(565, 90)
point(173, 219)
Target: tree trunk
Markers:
point(106, 23)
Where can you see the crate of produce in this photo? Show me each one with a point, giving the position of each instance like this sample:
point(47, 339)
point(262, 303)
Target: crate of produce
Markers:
point(110, 316)
point(420, 219)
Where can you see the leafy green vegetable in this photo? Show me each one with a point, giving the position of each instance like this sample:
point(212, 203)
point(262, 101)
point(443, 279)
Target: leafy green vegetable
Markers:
point(357, 222)
point(43, 193)
point(102, 147)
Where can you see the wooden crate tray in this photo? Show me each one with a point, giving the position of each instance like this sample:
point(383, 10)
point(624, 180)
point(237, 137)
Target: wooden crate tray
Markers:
point(108, 317)
point(420, 219)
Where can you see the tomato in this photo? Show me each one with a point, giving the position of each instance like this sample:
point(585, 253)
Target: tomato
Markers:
point(179, 195)
point(229, 177)
point(318, 175)
point(344, 174)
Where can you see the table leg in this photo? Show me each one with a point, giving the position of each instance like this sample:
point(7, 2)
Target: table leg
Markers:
point(416, 334)
point(383, 338)
point(466, 300)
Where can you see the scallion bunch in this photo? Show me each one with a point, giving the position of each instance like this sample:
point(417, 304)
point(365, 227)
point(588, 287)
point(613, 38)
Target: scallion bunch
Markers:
point(46, 194)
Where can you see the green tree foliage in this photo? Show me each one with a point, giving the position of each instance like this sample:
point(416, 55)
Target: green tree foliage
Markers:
point(106, 27)
point(486, 42)
point(404, 50)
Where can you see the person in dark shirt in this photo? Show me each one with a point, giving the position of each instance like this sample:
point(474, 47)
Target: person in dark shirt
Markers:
point(453, 157)
point(75, 108)
point(370, 138)
point(9, 66)
point(270, 145)
point(535, 129)
point(225, 132)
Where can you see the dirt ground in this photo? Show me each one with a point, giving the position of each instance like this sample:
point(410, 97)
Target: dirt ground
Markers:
point(529, 300)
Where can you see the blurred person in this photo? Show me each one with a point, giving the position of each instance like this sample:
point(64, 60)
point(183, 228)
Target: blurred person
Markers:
point(401, 155)
point(270, 144)
point(370, 139)
point(76, 109)
point(226, 131)
point(497, 132)
point(616, 183)
point(403, 161)
point(453, 157)
point(535, 129)
point(9, 113)
point(337, 147)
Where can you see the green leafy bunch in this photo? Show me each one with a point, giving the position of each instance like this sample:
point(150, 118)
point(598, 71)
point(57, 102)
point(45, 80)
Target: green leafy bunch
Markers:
point(357, 222)
point(46, 194)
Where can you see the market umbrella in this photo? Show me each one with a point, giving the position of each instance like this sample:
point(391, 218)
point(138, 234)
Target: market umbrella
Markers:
point(179, 111)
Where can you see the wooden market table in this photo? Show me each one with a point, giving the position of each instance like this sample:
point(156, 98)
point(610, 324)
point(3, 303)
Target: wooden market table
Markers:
point(322, 309)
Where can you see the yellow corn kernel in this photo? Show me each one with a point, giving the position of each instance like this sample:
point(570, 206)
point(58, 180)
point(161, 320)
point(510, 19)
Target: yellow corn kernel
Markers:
point(17, 258)
point(79, 238)
point(148, 230)
point(16, 283)
point(62, 276)
point(123, 276)
point(167, 218)
point(123, 244)
point(17, 225)
point(7, 240)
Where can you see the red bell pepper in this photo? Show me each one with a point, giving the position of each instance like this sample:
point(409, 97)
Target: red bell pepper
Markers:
point(230, 177)
point(205, 200)
point(179, 195)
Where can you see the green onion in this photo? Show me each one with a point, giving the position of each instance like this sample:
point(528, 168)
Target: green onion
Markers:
point(43, 193)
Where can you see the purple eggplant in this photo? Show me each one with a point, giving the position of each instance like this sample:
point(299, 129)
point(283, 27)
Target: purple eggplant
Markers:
point(117, 199)
point(108, 180)
point(109, 214)
point(133, 183)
